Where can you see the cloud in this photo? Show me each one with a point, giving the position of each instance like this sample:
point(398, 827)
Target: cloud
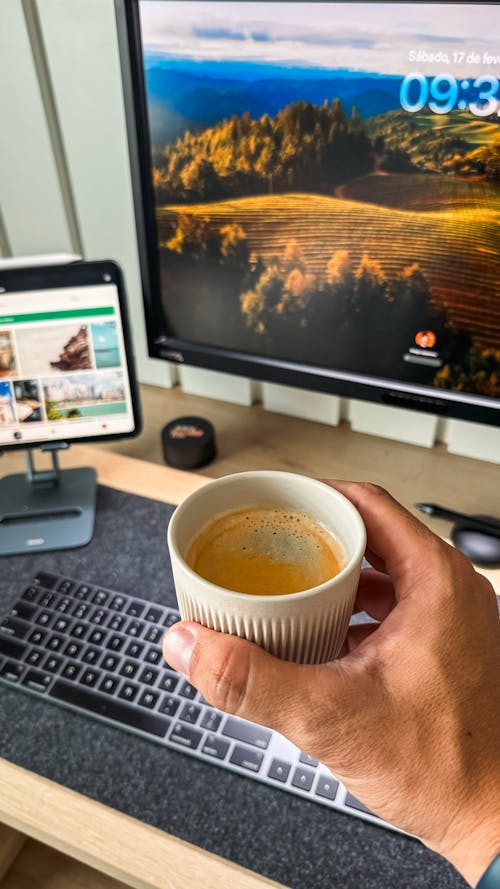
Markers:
point(219, 34)
point(435, 38)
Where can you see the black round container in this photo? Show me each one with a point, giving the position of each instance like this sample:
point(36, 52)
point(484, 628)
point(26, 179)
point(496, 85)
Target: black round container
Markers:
point(188, 442)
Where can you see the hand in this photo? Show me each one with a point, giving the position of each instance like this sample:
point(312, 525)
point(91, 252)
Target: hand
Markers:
point(409, 716)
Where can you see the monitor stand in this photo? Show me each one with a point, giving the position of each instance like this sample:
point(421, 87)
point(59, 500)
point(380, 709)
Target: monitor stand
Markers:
point(47, 509)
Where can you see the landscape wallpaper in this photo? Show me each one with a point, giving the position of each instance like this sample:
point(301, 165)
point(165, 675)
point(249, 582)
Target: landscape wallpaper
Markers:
point(326, 179)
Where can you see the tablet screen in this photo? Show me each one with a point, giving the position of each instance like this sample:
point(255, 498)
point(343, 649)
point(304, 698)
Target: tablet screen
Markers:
point(64, 373)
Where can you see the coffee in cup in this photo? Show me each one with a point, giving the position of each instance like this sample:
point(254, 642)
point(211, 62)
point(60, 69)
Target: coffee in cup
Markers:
point(265, 551)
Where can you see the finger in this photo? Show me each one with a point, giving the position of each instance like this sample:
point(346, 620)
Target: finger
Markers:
point(404, 544)
point(356, 635)
point(241, 678)
point(375, 594)
point(375, 560)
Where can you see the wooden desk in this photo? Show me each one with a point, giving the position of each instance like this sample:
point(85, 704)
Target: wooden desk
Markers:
point(116, 844)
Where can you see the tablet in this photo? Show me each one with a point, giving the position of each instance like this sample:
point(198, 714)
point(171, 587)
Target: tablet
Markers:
point(66, 362)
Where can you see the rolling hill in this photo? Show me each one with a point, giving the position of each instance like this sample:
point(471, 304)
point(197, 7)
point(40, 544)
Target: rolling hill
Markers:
point(456, 249)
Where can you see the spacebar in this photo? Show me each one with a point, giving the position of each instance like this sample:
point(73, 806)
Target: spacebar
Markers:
point(115, 710)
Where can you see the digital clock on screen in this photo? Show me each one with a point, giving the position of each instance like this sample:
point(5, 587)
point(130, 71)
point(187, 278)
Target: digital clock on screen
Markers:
point(444, 93)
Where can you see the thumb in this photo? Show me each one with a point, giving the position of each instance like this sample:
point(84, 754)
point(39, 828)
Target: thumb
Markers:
point(241, 678)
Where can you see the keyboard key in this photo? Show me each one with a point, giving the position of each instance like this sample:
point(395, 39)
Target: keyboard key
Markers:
point(12, 647)
point(134, 649)
point(99, 616)
point(47, 580)
point(171, 619)
point(186, 737)
point(303, 778)
point(128, 691)
point(129, 669)
point(71, 671)
point(80, 630)
point(211, 720)
point(82, 610)
point(154, 615)
point(115, 642)
point(169, 681)
point(279, 770)
point(73, 649)
point(353, 803)
point(15, 628)
point(97, 637)
point(53, 663)
point(327, 787)
point(135, 628)
point(62, 624)
point(31, 594)
point(135, 608)
point(109, 684)
point(187, 690)
point(89, 677)
point(246, 758)
point(83, 591)
point(215, 747)
point(148, 699)
point(23, 610)
point(247, 732)
point(37, 637)
point(37, 680)
point(117, 622)
point(64, 605)
point(154, 634)
point(11, 671)
point(55, 642)
point(153, 656)
point(190, 713)
point(47, 600)
point(100, 598)
point(169, 705)
point(110, 662)
point(44, 619)
point(91, 655)
point(34, 657)
point(143, 720)
point(308, 760)
point(149, 676)
point(66, 586)
point(118, 603)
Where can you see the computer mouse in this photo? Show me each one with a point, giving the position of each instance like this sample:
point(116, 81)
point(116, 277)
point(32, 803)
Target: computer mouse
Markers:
point(481, 548)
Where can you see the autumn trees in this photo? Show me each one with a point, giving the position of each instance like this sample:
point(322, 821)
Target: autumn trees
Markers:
point(304, 147)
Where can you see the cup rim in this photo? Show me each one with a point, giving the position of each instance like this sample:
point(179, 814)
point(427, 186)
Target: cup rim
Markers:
point(301, 594)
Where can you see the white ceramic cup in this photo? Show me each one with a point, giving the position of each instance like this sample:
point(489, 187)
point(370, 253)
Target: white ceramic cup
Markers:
point(306, 627)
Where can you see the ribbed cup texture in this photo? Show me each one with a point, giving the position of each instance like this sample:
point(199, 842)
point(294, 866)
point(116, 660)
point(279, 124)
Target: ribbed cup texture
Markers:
point(307, 631)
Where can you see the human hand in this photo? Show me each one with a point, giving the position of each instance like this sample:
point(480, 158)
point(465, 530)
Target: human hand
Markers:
point(408, 717)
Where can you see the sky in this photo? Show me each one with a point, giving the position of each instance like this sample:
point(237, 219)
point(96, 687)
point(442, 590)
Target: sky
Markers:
point(360, 36)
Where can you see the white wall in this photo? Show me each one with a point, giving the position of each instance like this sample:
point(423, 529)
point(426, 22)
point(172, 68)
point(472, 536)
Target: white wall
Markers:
point(65, 185)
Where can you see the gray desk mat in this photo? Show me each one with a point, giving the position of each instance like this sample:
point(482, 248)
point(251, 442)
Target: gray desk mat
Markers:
point(292, 841)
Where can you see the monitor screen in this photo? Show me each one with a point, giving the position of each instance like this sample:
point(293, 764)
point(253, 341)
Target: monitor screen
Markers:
point(321, 192)
point(64, 369)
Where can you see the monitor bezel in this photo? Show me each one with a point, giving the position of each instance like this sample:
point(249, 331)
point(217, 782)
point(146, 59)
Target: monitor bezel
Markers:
point(162, 344)
point(79, 274)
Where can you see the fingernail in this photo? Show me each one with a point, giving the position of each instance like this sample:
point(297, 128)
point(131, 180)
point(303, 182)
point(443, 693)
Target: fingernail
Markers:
point(178, 646)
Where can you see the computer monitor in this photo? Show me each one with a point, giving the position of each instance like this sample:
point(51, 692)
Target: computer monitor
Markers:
point(66, 375)
point(318, 194)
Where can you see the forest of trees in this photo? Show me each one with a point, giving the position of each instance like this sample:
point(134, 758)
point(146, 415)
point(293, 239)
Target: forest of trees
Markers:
point(404, 145)
point(304, 147)
point(309, 147)
point(352, 315)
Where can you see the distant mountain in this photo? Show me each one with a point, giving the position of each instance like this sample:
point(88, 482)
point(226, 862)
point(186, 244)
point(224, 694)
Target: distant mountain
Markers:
point(185, 99)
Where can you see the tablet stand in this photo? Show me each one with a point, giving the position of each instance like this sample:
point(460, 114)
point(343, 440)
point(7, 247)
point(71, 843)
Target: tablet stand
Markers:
point(47, 509)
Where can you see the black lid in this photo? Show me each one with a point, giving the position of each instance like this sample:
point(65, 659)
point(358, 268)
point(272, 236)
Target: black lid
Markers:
point(188, 442)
